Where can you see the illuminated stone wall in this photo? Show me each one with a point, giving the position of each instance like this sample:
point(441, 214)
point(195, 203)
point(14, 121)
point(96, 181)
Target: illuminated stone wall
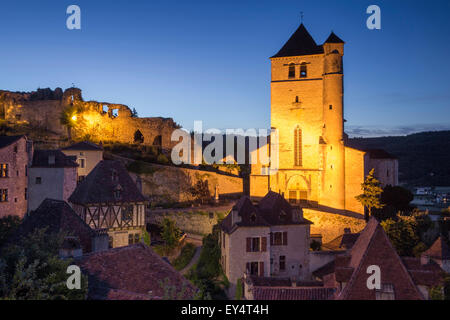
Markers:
point(100, 121)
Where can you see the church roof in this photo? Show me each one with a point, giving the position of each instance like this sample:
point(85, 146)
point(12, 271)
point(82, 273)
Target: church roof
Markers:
point(299, 44)
point(333, 38)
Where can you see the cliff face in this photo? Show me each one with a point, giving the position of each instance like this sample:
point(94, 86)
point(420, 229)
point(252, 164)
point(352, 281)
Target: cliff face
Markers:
point(101, 121)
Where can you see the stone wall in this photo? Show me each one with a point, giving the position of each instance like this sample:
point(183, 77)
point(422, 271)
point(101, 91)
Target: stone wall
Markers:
point(332, 225)
point(100, 121)
point(192, 220)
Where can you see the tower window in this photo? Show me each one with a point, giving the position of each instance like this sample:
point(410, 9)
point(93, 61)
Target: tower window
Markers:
point(298, 146)
point(331, 107)
point(303, 72)
point(296, 99)
point(291, 70)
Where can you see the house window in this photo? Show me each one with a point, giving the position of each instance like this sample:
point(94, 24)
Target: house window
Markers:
point(3, 170)
point(114, 176)
point(117, 193)
point(82, 163)
point(291, 70)
point(252, 268)
point(386, 292)
point(292, 196)
point(278, 239)
point(303, 72)
point(137, 238)
point(282, 263)
point(255, 244)
point(298, 146)
point(15, 149)
point(127, 213)
point(110, 242)
point(26, 171)
point(3, 195)
point(38, 180)
point(26, 193)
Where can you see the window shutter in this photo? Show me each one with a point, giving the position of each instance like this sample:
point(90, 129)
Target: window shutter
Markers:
point(261, 269)
point(264, 244)
point(249, 244)
point(285, 239)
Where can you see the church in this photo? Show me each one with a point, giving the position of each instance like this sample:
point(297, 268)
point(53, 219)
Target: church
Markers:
point(316, 169)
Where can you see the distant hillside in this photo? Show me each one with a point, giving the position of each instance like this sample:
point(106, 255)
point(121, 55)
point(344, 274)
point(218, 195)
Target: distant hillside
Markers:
point(424, 158)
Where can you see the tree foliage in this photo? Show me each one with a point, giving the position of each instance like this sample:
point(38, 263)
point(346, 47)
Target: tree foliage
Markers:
point(370, 198)
point(170, 233)
point(200, 191)
point(8, 225)
point(403, 234)
point(32, 270)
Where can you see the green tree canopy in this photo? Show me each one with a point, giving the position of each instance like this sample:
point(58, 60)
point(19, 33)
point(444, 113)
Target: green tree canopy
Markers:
point(370, 198)
point(32, 270)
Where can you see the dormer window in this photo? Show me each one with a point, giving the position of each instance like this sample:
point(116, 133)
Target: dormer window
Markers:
point(114, 176)
point(283, 216)
point(118, 192)
point(51, 159)
point(291, 70)
point(303, 72)
point(253, 217)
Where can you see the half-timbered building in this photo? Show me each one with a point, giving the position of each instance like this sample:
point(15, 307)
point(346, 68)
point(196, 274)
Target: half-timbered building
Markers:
point(109, 199)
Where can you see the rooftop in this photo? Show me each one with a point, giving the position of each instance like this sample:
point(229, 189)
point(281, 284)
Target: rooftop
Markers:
point(84, 146)
point(52, 159)
point(8, 140)
point(130, 273)
point(299, 44)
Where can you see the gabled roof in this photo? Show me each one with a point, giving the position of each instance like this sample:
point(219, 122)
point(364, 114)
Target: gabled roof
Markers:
point(56, 216)
point(430, 274)
point(273, 209)
point(8, 140)
point(99, 186)
point(373, 248)
point(334, 39)
point(439, 250)
point(299, 44)
point(379, 154)
point(133, 272)
point(343, 242)
point(84, 146)
point(41, 159)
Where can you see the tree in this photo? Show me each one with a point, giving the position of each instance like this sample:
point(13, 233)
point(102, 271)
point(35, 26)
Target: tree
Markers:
point(403, 234)
point(32, 270)
point(397, 197)
point(370, 198)
point(200, 191)
point(8, 225)
point(170, 233)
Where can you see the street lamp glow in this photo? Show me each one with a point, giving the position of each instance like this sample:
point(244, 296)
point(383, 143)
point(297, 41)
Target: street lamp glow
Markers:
point(74, 118)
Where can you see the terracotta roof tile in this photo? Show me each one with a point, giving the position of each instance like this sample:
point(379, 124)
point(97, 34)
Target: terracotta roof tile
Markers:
point(268, 293)
point(439, 250)
point(132, 272)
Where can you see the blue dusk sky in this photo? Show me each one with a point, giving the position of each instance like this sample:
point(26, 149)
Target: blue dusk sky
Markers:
point(209, 60)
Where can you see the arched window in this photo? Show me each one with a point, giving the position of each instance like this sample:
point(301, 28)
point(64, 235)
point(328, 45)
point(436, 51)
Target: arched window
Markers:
point(303, 72)
point(298, 146)
point(291, 70)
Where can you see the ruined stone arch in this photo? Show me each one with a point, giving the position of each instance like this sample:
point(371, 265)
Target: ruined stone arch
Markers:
point(157, 141)
point(138, 137)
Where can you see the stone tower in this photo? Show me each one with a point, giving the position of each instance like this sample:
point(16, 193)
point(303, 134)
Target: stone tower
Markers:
point(307, 110)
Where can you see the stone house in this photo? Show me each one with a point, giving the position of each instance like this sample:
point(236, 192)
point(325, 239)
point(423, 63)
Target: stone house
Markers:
point(15, 156)
point(87, 154)
point(52, 175)
point(270, 239)
point(109, 199)
point(405, 278)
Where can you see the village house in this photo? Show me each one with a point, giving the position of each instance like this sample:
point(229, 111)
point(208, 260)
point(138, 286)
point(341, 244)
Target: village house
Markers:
point(405, 278)
point(15, 156)
point(270, 239)
point(109, 199)
point(52, 175)
point(88, 155)
point(439, 252)
point(134, 272)
point(56, 216)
